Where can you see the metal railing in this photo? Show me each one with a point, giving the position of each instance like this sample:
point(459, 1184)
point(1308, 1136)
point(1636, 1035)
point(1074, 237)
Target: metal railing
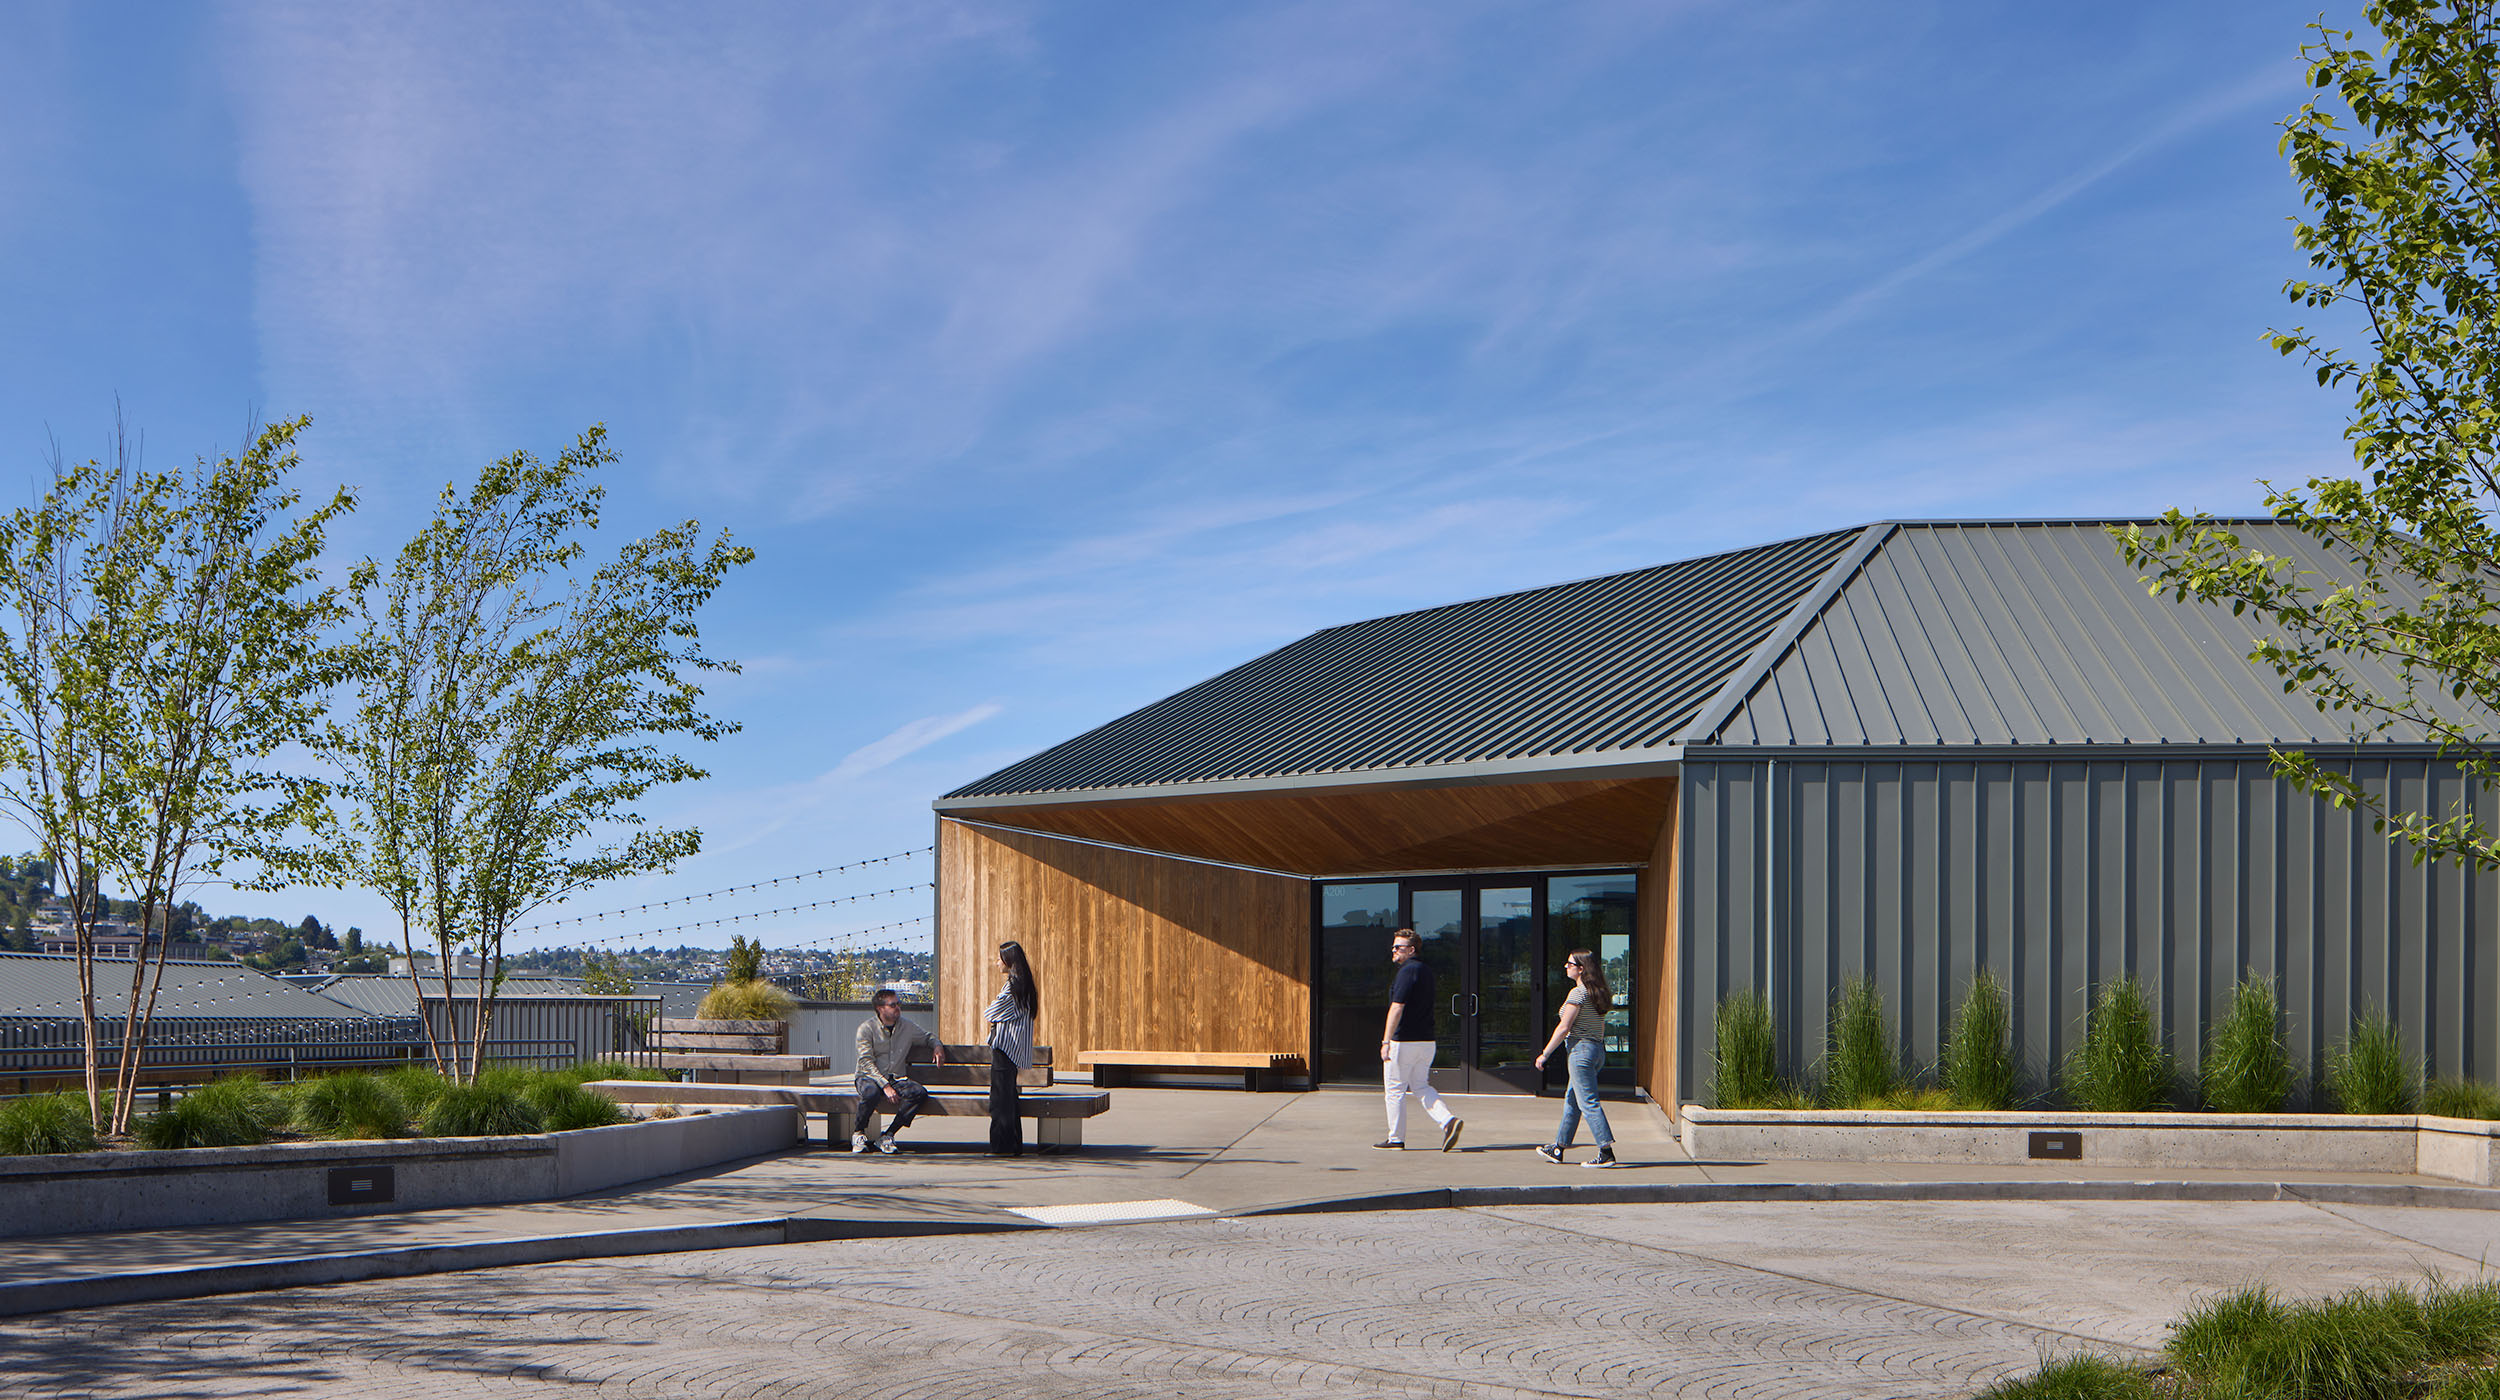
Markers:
point(534, 1032)
point(553, 1032)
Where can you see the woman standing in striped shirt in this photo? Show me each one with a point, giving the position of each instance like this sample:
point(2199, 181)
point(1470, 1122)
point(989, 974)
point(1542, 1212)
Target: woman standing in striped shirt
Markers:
point(1011, 1018)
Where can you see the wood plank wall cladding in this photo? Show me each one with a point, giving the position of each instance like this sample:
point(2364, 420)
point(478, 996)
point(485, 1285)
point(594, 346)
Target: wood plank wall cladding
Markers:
point(2062, 875)
point(1368, 830)
point(1655, 957)
point(1133, 951)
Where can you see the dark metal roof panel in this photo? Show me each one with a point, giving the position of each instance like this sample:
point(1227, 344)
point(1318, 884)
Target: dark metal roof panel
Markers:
point(45, 985)
point(1603, 665)
point(2035, 632)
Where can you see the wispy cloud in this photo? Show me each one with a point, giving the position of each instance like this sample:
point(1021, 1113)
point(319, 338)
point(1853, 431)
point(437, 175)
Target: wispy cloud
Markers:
point(786, 805)
point(2273, 82)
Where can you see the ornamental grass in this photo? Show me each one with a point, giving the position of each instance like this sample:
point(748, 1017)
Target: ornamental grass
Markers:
point(1980, 1069)
point(2121, 1066)
point(2371, 1072)
point(1861, 1066)
point(2246, 1069)
point(1745, 1073)
point(44, 1124)
point(237, 1111)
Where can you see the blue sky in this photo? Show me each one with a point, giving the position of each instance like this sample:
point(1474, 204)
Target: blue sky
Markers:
point(1053, 357)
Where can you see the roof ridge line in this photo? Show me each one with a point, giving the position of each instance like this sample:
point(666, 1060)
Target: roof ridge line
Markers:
point(1756, 668)
point(1597, 578)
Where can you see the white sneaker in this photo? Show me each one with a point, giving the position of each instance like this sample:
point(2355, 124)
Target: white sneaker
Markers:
point(859, 1142)
point(885, 1143)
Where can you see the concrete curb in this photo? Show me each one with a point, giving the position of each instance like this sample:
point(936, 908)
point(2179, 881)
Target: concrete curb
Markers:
point(31, 1296)
point(1704, 1192)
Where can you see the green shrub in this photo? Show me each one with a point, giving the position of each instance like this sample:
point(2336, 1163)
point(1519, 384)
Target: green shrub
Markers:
point(480, 1110)
point(1918, 1099)
point(237, 1111)
point(2121, 1066)
point(564, 1105)
point(2460, 1098)
point(1746, 1071)
point(2371, 1073)
point(2084, 1377)
point(745, 1001)
point(45, 1124)
point(351, 1106)
point(2246, 1069)
point(1980, 1068)
point(1861, 1067)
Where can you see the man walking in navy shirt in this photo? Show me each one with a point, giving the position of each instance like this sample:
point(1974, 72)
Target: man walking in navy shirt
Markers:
point(1406, 1044)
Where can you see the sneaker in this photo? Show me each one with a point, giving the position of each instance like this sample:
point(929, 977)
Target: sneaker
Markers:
point(1390, 1145)
point(1449, 1133)
point(885, 1143)
point(1605, 1158)
point(859, 1142)
point(1550, 1153)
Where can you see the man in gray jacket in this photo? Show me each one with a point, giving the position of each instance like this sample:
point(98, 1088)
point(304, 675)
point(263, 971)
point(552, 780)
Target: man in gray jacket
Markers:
point(884, 1083)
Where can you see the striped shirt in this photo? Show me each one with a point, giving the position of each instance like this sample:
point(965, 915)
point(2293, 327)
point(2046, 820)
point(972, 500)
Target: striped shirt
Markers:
point(1011, 1031)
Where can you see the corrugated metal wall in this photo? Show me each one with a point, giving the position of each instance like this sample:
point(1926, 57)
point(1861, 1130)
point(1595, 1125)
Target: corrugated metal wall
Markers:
point(2059, 875)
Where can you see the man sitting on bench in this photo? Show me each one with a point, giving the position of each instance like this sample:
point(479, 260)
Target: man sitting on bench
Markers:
point(884, 1083)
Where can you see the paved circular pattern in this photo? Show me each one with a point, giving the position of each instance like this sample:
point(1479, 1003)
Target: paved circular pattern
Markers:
point(1733, 1300)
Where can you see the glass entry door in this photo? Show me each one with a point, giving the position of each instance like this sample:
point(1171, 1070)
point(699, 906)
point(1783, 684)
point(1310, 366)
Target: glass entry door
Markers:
point(1495, 943)
point(1480, 939)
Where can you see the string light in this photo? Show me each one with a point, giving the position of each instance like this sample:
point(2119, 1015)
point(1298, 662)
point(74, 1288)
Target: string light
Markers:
point(727, 919)
point(643, 909)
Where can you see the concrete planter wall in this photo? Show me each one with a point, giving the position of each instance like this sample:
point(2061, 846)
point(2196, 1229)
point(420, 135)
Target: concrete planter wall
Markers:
point(76, 1192)
point(2456, 1148)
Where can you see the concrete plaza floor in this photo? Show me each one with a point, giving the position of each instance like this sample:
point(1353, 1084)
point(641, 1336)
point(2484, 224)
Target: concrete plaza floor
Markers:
point(1849, 1299)
point(1928, 1293)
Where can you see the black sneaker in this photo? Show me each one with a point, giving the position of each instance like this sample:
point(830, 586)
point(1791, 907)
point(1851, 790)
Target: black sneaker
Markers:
point(1449, 1135)
point(1390, 1145)
point(1605, 1158)
point(1550, 1153)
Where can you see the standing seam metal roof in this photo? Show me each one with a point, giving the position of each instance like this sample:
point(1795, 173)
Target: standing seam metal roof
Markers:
point(2031, 633)
point(1944, 633)
point(1620, 662)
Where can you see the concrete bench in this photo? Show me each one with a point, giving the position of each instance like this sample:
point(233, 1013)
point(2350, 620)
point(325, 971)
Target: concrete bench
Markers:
point(1058, 1118)
point(1259, 1071)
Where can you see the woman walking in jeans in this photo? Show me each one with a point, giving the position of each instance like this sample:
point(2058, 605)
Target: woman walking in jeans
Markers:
point(1583, 1025)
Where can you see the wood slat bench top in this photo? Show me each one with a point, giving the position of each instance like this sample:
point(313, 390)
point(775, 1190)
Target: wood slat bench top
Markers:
point(980, 1055)
point(826, 1099)
point(1194, 1059)
point(777, 1064)
point(731, 1044)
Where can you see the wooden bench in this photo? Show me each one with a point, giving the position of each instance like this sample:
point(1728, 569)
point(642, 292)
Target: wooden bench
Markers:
point(969, 1065)
point(732, 1052)
point(1113, 1068)
point(1058, 1118)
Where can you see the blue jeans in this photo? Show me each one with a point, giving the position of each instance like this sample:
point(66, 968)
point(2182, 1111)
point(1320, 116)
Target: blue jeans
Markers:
point(1580, 1099)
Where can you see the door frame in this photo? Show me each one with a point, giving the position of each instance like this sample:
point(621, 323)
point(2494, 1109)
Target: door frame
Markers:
point(1467, 1077)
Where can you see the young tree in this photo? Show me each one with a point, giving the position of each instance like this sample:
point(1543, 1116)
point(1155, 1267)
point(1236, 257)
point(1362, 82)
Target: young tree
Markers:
point(510, 705)
point(163, 642)
point(2403, 226)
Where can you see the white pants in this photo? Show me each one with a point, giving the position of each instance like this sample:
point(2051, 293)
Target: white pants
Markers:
point(1408, 1070)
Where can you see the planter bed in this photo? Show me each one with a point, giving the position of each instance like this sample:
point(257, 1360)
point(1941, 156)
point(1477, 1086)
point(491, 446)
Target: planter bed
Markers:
point(2459, 1149)
point(75, 1192)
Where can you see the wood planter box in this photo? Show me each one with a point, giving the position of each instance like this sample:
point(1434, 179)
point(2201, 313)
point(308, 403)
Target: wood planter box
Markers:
point(75, 1192)
point(2456, 1148)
